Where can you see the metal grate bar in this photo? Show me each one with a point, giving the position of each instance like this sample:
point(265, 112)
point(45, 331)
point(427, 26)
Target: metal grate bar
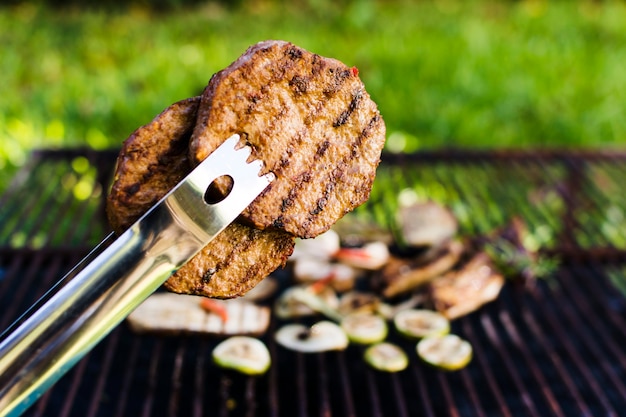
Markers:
point(21, 204)
point(127, 378)
point(447, 397)
point(153, 379)
point(485, 371)
point(421, 387)
point(549, 313)
point(273, 380)
point(301, 383)
point(76, 378)
point(492, 334)
point(530, 364)
point(607, 298)
point(110, 348)
point(348, 408)
point(27, 269)
point(565, 379)
point(374, 398)
point(324, 401)
point(595, 335)
point(471, 389)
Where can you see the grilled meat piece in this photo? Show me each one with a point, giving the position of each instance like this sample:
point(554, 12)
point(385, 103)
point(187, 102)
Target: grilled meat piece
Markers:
point(233, 263)
point(309, 119)
point(154, 159)
point(402, 275)
point(464, 290)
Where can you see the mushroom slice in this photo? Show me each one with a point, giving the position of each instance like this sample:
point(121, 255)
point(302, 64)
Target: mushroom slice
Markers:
point(386, 357)
point(316, 303)
point(371, 256)
point(354, 230)
point(418, 323)
point(364, 328)
point(322, 247)
point(243, 354)
point(426, 224)
point(358, 301)
point(321, 337)
point(293, 302)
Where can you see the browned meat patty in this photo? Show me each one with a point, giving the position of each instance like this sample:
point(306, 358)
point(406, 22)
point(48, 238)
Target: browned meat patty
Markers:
point(154, 159)
point(233, 263)
point(309, 119)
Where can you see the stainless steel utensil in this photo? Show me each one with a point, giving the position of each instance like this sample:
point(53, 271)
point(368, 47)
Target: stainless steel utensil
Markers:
point(119, 274)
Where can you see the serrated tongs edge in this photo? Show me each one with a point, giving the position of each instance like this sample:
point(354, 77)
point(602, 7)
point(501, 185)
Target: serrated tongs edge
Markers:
point(108, 284)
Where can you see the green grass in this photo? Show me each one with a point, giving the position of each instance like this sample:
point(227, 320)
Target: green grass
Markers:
point(444, 73)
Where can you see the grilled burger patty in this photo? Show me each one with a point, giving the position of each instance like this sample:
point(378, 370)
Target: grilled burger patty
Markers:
point(151, 162)
point(311, 122)
point(154, 159)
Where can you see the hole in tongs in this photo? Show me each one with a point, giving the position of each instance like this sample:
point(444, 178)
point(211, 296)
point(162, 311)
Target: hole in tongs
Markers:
point(219, 189)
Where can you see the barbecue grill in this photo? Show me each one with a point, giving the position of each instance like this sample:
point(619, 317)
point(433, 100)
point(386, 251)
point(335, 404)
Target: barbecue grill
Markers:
point(555, 349)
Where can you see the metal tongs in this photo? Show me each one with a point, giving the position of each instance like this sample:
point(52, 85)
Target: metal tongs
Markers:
point(106, 286)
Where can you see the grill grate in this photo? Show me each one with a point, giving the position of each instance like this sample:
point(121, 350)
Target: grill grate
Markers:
point(555, 350)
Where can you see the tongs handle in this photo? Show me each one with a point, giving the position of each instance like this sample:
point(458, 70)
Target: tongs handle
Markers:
point(95, 299)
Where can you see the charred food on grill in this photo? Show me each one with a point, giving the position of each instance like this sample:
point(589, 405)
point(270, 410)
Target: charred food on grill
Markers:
point(154, 159)
point(307, 117)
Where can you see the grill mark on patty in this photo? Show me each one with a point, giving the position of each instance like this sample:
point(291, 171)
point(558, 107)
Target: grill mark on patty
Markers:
point(242, 245)
point(292, 195)
point(335, 176)
point(321, 150)
point(132, 189)
point(331, 102)
point(294, 53)
point(299, 84)
point(246, 242)
point(176, 151)
point(286, 65)
point(317, 66)
point(251, 273)
point(304, 177)
point(332, 85)
point(337, 77)
point(345, 115)
point(323, 200)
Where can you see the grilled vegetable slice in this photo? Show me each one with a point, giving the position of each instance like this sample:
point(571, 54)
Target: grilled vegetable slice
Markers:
point(167, 313)
point(358, 302)
point(419, 323)
point(315, 302)
point(290, 304)
point(426, 223)
point(448, 352)
point(371, 256)
point(321, 337)
point(364, 328)
point(243, 354)
point(386, 357)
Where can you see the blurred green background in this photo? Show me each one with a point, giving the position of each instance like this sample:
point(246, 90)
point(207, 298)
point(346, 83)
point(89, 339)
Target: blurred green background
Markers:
point(444, 73)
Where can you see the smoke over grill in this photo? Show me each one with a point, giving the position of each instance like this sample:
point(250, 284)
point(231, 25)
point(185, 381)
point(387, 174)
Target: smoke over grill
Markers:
point(554, 350)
